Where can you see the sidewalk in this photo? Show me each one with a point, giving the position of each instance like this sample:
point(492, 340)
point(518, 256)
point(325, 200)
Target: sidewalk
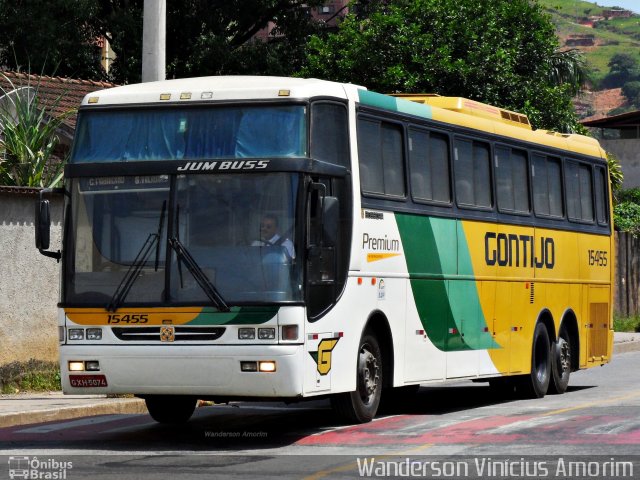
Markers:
point(21, 409)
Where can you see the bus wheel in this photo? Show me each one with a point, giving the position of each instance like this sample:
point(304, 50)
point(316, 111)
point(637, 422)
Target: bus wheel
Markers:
point(361, 406)
point(560, 363)
point(536, 384)
point(170, 408)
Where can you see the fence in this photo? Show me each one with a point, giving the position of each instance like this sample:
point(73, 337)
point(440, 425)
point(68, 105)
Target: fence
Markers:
point(627, 291)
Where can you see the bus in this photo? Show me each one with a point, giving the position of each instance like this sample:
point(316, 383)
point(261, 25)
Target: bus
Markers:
point(422, 239)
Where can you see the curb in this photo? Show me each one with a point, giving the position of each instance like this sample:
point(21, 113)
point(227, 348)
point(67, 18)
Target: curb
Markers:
point(117, 406)
point(625, 347)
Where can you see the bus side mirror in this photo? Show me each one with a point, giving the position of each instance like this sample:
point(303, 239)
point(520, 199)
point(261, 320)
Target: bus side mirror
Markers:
point(42, 223)
point(330, 217)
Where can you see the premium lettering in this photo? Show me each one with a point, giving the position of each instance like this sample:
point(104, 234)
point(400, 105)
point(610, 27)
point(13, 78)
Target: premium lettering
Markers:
point(381, 243)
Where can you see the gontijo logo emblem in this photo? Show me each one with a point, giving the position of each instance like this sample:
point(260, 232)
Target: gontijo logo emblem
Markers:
point(322, 356)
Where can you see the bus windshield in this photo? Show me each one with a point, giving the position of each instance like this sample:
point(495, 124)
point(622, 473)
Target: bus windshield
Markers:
point(193, 133)
point(233, 234)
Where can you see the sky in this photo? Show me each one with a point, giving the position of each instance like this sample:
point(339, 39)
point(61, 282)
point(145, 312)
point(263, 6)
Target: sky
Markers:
point(633, 5)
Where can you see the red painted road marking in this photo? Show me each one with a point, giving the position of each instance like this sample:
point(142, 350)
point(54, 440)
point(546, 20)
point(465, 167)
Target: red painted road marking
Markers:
point(415, 430)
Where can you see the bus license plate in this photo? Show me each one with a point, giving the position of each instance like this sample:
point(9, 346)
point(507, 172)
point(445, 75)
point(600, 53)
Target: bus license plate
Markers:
point(85, 381)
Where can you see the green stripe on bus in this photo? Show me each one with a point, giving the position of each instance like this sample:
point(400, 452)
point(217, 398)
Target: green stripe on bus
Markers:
point(386, 102)
point(447, 308)
point(237, 316)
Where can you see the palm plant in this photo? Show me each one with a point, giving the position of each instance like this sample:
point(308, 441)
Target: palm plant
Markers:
point(568, 67)
point(28, 137)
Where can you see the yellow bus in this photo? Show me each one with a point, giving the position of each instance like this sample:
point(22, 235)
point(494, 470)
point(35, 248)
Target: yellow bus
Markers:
point(276, 238)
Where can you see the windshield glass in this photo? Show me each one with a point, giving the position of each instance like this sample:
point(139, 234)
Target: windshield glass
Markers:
point(239, 231)
point(190, 133)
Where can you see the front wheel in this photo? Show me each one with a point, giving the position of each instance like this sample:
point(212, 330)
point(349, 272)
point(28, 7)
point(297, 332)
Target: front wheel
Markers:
point(560, 363)
point(170, 408)
point(536, 384)
point(361, 405)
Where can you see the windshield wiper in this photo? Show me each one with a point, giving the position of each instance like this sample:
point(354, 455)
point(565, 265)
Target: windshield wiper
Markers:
point(132, 274)
point(141, 258)
point(198, 274)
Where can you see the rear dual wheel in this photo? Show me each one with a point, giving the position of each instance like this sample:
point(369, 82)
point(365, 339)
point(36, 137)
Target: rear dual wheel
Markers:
point(560, 362)
point(536, 384)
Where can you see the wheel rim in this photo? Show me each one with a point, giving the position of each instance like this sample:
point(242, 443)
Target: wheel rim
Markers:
point(368, 374)
point(564, 358)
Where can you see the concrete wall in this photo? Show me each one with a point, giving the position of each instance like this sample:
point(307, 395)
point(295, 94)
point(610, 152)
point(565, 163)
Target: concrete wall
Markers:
point(28, 281)
point(628, 153)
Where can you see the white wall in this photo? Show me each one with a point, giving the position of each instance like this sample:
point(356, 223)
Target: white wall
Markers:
point(29, 282)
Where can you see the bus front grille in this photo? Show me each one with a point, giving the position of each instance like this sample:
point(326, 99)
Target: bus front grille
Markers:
point(182, 334)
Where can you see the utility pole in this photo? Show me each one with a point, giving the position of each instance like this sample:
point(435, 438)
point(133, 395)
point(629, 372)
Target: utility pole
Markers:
point(154, 35)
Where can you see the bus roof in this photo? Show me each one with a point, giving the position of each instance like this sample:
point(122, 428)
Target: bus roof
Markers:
point(443, 109)
point(216, 89)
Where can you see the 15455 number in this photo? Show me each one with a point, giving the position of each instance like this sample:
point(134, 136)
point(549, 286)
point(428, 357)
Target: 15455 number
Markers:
point(598, 258)
point(128, 318)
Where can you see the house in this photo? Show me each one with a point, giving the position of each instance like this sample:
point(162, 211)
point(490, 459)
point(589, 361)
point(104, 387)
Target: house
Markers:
point(620, 135)
point(60, 95)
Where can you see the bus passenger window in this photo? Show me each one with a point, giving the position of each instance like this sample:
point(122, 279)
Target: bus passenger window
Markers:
point(381, 158)
point(512, 182)
point(546, 176)
point(472, 172)
point(429, 157)
point(601, 196)
point(579, 192)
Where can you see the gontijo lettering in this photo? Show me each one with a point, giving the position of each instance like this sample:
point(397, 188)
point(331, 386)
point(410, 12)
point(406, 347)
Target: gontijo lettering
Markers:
point(508, 249)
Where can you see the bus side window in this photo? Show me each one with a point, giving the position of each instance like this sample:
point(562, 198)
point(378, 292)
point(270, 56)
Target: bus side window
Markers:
point(511, 179)
point(579, 192)
point(546, 175)
point(380, 152)
point(330, 133)
point(601, 197)
point(472, 173)
point(429, 161)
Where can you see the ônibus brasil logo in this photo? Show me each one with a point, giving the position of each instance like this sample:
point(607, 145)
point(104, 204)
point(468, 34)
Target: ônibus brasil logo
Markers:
point(35, 468)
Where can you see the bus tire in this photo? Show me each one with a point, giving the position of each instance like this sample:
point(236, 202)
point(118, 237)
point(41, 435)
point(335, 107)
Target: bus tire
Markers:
point(536, 384)
point(171, 409)
point(560, 362)
point(361, 405)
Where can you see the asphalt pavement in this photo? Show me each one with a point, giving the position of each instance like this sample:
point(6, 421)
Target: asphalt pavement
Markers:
point(40, 407)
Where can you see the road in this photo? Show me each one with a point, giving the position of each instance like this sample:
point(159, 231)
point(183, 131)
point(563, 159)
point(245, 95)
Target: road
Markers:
point(597, 420)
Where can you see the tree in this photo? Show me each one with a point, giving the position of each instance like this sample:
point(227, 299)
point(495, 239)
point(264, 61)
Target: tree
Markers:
point(54, 37)
point(502, 52)
point(631, 91)
point(623, 68)
point(212, 37)
point(204, 37)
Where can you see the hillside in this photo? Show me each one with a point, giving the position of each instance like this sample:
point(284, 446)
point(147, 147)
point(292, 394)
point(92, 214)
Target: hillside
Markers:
point(599, 32)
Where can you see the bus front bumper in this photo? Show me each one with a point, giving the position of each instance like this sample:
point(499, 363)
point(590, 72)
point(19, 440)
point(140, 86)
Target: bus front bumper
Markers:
point(181, 370)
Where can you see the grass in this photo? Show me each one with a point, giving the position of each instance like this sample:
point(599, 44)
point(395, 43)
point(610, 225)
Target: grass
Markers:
point(32, 376)
point(620, 35)
point(626, 324)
